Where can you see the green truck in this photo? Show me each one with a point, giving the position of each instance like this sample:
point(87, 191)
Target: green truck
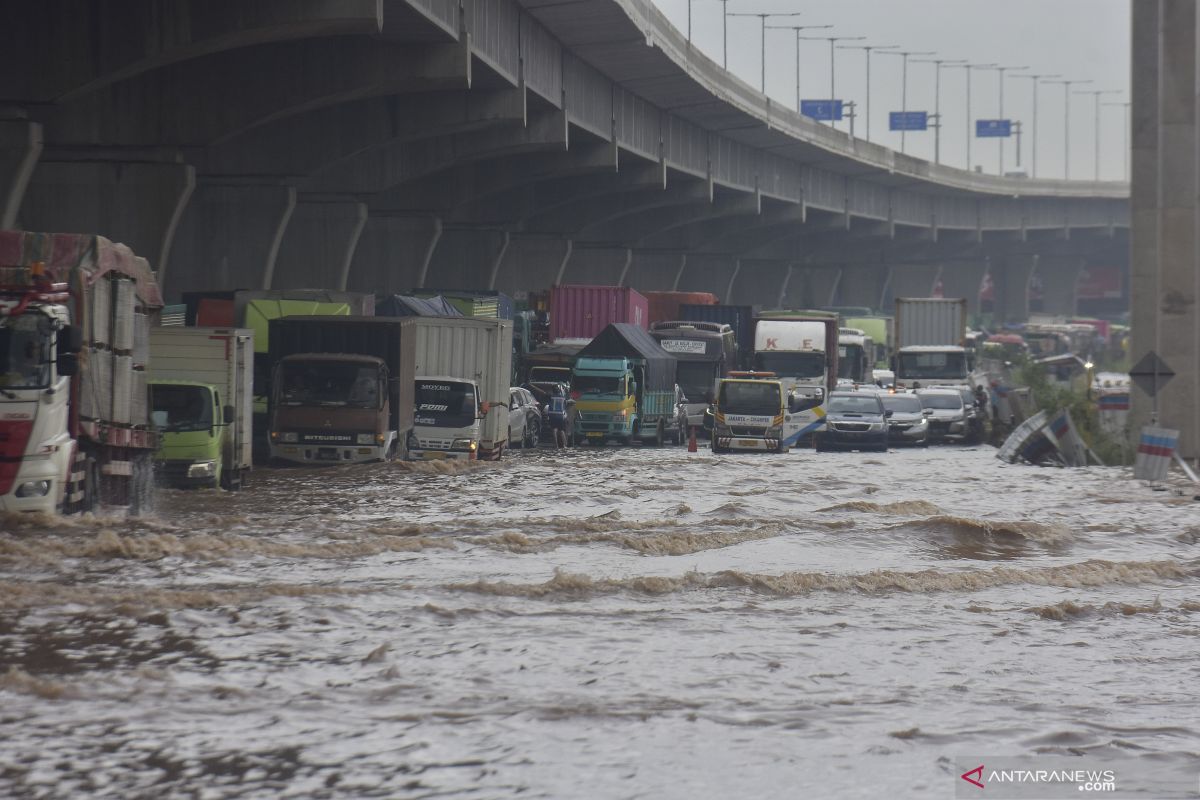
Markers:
point(623, 384)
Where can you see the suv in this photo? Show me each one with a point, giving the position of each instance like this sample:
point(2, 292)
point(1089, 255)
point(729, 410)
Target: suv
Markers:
point(949, 418)
point(909, 423)
point(524, 418)
point(854, 420)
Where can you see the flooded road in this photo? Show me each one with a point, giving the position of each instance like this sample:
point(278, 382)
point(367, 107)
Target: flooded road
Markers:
point(623, 623)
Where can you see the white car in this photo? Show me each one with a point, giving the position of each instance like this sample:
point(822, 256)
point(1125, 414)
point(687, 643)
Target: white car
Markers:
point(524, 418)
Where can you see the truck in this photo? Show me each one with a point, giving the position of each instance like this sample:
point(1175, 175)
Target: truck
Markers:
point(740, 318)
point(802, 349)
point(75, 429)
point(705, 353)
point(929, 340)
point(461, 389)
point(623, 384)
point(201, 404)
point(856, 356)
point(750, 412)
point(580, 312)
point(341, 388)
point(879, 329)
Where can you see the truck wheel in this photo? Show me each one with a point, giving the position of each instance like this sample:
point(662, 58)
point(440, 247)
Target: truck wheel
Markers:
point(660, 433)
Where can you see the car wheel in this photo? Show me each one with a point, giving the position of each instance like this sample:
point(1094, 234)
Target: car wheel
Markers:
point(533, 432)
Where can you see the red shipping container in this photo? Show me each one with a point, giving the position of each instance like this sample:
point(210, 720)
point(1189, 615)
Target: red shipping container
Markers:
point(211, 313)
point(664, 306)
point(581, 312)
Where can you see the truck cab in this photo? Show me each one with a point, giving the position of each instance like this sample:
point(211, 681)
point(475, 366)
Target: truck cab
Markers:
point(856, 356)
point(196, 443)
point(803, 352)
point(605, 391)
point(447, 424)
point(749, 413)
point(929, 364)
point(705, 352)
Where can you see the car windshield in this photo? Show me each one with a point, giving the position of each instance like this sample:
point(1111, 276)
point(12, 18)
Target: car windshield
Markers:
point(750, 397)
point(941, 401)
point(696, 379)
point(597, 384)
point(330, 383)
point(791, 365)
point(181, 408)
point(904, 403)
point(933, 365)
point(859, 404)
point(25, 352)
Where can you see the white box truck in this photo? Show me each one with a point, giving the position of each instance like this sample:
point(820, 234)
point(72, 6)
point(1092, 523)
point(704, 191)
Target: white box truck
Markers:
point(202, 401)
point(463, 367)
point(930, 334)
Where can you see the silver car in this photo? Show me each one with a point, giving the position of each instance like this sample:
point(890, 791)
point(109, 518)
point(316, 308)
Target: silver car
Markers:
point(909, 424)
point(949, 418)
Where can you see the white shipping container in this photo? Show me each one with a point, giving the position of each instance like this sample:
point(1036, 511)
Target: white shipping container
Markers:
point(218, 357)
point(930, 321)
point(123, 313)
point(471, 349)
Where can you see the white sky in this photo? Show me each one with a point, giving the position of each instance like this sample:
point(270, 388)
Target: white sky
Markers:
point(1077, 39)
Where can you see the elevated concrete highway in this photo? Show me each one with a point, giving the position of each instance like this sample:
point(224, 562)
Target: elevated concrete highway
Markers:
point(385, 144)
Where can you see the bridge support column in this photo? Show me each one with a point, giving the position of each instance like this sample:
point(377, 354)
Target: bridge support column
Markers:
point(139, 204)
point(654, 271)
point(709, 273)
point(1165, 276)
point(758, 283)
point(533, 263)
point(318, 246)
point(1010, 277)
point(393, 253)
point(602, 266)
point(230, 237)
point(914, 280)
point(863, 285)
point(963, 279)
point(20, 148)
point(1060, 281)
point(814, 287)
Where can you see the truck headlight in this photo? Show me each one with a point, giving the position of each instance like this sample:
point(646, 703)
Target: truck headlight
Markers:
point(34, 489)
point(286, 438)
point(202, 469)
point(465, 444)
point(366, 438)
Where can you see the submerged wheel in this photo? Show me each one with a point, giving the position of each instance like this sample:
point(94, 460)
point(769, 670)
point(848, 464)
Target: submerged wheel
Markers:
point(533, 432)
point(660, 433)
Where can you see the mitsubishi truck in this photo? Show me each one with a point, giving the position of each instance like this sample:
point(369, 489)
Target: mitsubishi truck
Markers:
point(342, 388)
point(623, 384)
point(461, 389)
point(705, 352)
point(75, 429)
point(802, 349)
point(930, 338)
point(201, 402)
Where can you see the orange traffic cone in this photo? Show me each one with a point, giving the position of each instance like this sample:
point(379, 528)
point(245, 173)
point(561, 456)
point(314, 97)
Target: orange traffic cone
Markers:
point(692, 441)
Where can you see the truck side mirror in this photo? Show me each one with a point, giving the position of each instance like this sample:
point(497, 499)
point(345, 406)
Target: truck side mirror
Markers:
point(227, 414)
point(68, 364)
point(70, 339)
point(709, 419)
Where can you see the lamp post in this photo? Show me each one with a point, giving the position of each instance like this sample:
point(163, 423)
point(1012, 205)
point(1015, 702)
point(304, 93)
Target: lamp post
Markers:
point(969, 68)
point(797, 29)
point(762, 17)
point(1067, 124)
point(1033, 146)
point(833, 40)
point(904, 80)
point(868, 48)
point(1125, 147)
point(1095, 93)
point(937, 100)
point(1000, 142)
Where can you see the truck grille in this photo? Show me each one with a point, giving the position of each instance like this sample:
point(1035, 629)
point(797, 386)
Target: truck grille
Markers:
point(435, 444)
point(742, 430)
point(852, 426)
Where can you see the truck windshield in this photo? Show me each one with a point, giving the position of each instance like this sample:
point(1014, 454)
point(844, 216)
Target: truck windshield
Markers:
point(25, 352)
point(750, 397)
point(790, 364)
point(597, 384)
point(446, 404)
point(933, 365)
point(852, 362)
point(181, 408)
point(696, 378)
point(330, 383)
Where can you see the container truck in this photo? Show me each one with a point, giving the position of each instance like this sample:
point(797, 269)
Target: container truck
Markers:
point(580, 312)
point(705, 353)
point(930, 337)
point(802, 349)
point(664, 306)
point(623, 384)
point(75, 318)
point(342, 388)
point(201, 404)
point(463, 367)
point(740, 318)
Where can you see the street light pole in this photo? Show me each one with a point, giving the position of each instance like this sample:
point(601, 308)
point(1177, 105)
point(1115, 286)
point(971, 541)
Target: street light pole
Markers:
point(1095, 93)
point(1067, 124)
point(1000, 142)
point(937, 100)
point(868, 48)
point(832, 65)
point(969, 68)
point(904, 81)
point(1033, 145)
point(1125, 148)
point(797, 29)
point(762, 18)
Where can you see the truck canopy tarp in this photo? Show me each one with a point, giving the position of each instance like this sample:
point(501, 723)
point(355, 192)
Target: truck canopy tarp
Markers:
point(95, 257)
point(624, 340)
point(404, 305)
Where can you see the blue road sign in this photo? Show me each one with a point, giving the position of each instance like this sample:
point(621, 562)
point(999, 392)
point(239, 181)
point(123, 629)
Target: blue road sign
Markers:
point(987, 128)
point(908, 120)
point(823, 110)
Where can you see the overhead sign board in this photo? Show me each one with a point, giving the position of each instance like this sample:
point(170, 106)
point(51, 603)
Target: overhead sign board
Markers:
point(822, 110)
point(908, 120)
point(993, 128)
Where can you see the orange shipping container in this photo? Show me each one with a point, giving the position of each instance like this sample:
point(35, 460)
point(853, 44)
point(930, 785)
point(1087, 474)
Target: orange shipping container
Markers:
point(664, 306)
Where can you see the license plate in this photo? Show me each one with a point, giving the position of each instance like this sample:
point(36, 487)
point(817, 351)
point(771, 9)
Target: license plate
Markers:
point(594, 435)
point(430, 455)
point(749, 443)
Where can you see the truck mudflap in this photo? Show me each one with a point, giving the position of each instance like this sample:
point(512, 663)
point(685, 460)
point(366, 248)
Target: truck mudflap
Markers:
point(802, 424)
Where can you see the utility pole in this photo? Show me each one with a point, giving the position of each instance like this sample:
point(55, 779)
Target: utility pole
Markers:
point(1017, 131)
point(868, 48)
point(762, 18)
point(1095, 93)
point(1125, 148)
point(937, 100)
point(1033, 144)
point(969, 68)
point(904, 81)
point(797, 29)
point(1067, 124)
point(833, 40)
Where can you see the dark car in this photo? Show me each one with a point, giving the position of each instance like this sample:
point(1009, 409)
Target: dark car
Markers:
point(854, 421)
